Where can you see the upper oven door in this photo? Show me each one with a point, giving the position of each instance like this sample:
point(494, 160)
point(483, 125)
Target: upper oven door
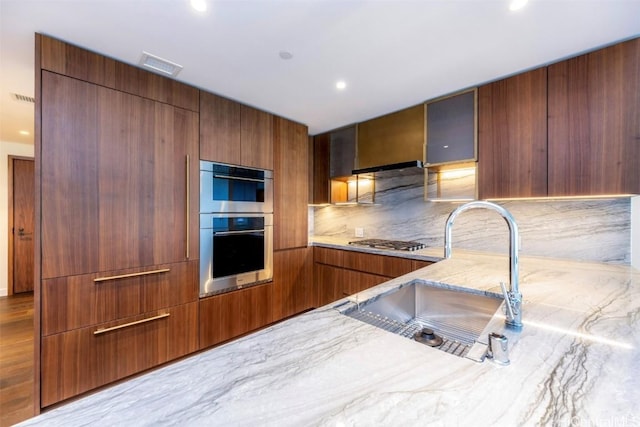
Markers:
point(225, 188)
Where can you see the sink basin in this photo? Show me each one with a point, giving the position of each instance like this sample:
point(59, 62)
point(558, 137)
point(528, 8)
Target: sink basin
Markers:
point(458, 316)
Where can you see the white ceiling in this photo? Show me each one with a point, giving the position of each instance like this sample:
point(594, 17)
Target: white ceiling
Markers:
point(392, 53)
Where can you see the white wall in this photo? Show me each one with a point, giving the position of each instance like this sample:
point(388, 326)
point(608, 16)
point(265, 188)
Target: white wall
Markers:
point(635, 232)
point(7, 149)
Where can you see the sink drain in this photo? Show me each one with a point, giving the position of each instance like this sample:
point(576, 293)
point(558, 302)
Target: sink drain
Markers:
point(451, 343)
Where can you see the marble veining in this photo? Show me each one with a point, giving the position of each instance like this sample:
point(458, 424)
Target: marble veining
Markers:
point(574, 363)
point(589, 230)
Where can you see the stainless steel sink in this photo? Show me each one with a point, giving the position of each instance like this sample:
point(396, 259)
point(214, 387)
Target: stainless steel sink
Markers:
point(458, 316)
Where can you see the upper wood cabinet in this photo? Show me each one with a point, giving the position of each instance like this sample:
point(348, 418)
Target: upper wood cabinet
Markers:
point(594, 122)
point(320, 151)
point(114, 179)
point(512, 158)
point(72, 61)
point(290, 179)
point(235, 134)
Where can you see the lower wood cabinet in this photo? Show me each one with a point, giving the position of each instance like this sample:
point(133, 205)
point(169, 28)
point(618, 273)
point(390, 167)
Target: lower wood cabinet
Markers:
point(329, 283)
point(74, 302)
point(339, 273)
point(292, 288)
point(229, 315)
point(80, 360)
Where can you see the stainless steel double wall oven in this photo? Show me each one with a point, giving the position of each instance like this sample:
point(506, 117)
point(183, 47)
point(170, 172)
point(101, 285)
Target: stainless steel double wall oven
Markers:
point(236, 227)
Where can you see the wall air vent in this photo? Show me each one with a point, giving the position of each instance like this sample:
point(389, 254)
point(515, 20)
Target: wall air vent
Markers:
point(159, 65)
point(23, 98)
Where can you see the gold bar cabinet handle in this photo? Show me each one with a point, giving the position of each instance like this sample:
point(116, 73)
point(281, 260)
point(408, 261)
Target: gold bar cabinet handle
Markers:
point(188, 162)
point(126, 325)
point(124, 276)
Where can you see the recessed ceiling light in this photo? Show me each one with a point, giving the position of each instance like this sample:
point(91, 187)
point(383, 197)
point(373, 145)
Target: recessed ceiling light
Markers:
point(341, 84)
point(24, 132)
point(199, 5)
point(159, 64)
point(517, 4)
point(285, 55)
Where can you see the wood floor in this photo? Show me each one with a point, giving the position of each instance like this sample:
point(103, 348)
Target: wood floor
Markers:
point(16, 358)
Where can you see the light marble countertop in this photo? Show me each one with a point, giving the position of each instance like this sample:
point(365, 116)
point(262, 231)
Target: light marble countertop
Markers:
point(575, 363)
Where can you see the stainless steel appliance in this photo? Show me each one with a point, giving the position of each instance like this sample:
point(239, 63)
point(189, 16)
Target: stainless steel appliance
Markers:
point(236, 227)
point(398, 245)
point(227, 188)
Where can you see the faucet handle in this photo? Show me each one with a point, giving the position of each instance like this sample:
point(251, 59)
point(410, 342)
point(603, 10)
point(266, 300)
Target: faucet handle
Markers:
point(508, 300)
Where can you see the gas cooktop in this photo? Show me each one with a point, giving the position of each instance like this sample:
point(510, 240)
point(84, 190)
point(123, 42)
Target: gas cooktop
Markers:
point(398, 245)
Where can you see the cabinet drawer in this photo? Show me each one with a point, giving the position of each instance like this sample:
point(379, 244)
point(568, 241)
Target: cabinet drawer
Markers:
point(382, 265)
point(79, 301)
point(227, 316)
point(81, 360)
point(328, 256)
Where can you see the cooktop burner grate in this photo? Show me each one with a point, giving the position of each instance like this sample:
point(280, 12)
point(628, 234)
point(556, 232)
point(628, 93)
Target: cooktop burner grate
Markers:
point(398, 245)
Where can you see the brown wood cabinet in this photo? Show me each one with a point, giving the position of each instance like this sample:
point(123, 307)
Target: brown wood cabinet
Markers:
point(80, 360)
point(292, 285)
point(235, 134)
point(226, 316)
point(72, 61)
point(512, 127)
point(117, 213)
point(339, 273)
point(114, 179)
point(320, 155)
point(290, 211)
point(329, 282)
point(74, 302)
point(594, 122)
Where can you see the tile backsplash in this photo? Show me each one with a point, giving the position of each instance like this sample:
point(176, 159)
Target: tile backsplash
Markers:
point(591, 230)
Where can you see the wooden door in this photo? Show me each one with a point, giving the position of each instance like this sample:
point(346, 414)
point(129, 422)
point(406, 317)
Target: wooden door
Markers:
point(23, 198)
point(594, 123)
point(114, 179)
point(142, 175)
point(256, 138)
point(291, 192)
point(69, 185)
point(512, 140)
point(292, 285)
point(320, 171)
point(219, 129)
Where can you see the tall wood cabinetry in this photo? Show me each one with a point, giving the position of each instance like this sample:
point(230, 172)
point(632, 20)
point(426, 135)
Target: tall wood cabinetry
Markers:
point(292, 280)
point(290, 222)
point(512, 136)
point(234, 133)
point(594, 122)
point(117, 205)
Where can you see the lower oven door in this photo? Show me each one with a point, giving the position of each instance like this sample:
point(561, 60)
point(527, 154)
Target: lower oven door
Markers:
point(236, 250)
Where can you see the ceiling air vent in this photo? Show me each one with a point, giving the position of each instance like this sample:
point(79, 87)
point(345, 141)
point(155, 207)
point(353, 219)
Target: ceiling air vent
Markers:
point(159, 65)
point(23, 98)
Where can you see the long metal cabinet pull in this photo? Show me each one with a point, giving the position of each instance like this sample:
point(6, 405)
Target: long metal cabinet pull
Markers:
point(124, 276)
point(238, 178)
point(126, 325)
point(188, 161)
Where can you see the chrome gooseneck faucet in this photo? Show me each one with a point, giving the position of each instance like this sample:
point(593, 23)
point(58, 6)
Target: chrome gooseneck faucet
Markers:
point(513, 297)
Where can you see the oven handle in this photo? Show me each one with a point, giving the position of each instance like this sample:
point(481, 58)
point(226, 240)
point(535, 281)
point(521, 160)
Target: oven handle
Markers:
point(238, 178)
point(227, 233)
